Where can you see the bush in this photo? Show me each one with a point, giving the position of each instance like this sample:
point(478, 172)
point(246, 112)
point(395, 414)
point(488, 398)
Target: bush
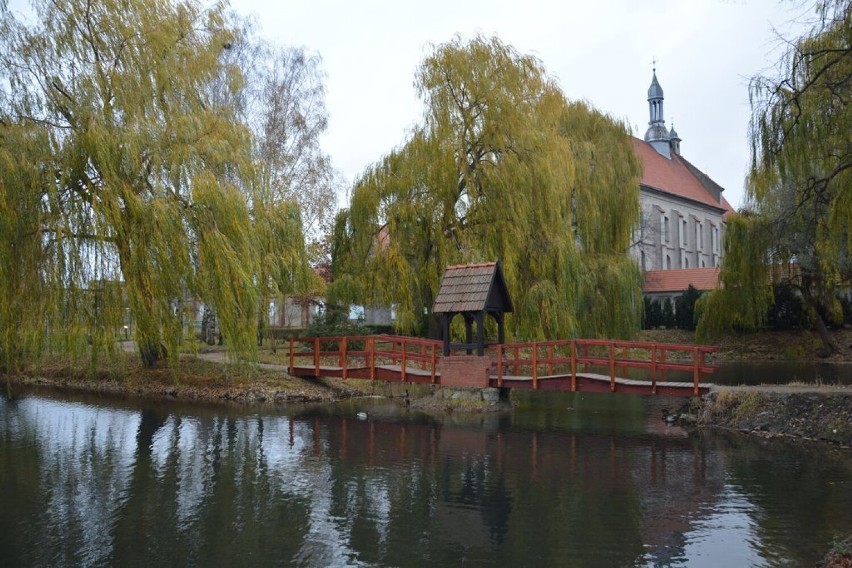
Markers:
point(335, 322)
point(846, 303)
point(788, 311)
point(280, 333)
point(658, 314)
point(668, 317)
point(685, 308)
point(653, 314)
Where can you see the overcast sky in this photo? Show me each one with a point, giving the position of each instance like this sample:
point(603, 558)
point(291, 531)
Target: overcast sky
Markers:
point(599, 51)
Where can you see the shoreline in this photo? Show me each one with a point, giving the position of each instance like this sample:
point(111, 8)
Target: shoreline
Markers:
point(810, 412)
point(816, 414)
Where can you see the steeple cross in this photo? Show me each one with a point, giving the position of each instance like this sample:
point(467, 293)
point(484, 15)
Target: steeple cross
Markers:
point(654, 61)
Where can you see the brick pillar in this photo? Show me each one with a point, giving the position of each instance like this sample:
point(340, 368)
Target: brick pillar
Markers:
point(466, 371)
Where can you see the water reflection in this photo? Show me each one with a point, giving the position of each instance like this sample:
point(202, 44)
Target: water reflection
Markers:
point(760, 372)
point(564, 480)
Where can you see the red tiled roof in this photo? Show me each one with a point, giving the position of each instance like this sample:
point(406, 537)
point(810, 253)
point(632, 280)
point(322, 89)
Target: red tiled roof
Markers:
point(658, 281)
point(674, 176)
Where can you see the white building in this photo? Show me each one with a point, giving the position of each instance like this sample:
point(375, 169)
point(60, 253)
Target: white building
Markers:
point(683, 211)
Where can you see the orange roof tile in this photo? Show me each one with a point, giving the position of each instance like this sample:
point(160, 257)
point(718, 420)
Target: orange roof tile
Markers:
point(659, 281)
point(674, 176)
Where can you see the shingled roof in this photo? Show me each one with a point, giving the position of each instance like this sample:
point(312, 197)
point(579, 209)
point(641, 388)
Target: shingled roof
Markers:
point(472, 288)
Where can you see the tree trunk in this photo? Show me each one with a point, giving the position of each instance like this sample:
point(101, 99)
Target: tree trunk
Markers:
point(151, 353)
point(142, 308)
point(829, 347)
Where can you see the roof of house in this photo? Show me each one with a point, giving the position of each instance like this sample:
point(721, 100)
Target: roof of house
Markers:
point(472, 288)
point(661, 281)
point(676, 176)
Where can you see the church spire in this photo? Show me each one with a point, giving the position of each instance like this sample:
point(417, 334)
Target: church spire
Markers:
point(657, 135)
point(674, 140)
point(655, 100)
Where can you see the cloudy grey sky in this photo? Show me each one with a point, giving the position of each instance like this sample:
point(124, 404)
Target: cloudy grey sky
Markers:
point(599, 51)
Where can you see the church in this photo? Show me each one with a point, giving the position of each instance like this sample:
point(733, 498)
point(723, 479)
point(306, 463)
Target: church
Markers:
point(679, 240)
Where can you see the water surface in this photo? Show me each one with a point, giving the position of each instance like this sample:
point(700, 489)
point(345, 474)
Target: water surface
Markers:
point(563, 480)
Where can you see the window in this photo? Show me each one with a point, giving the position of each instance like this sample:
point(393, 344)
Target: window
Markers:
point(683, 233)
point(685, 262)
point(699, 236)
point(666, 236)
point(668, 262)
point(714, 238)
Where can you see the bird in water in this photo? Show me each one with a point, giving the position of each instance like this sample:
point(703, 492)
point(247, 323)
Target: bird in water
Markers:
point(668, 417)
point(362, 415)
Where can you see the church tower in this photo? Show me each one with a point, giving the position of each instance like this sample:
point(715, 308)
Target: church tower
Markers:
point(657, 135)
point(674, 140)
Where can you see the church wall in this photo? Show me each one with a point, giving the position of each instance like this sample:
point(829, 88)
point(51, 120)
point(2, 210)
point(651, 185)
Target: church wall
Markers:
point(675, 234)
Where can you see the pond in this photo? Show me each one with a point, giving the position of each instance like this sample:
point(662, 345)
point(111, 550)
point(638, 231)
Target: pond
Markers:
point(561, 480)
point(758, 373)
point(780, 372)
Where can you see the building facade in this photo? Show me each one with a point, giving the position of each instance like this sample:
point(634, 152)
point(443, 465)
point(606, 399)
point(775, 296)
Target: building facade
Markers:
point(683, 210)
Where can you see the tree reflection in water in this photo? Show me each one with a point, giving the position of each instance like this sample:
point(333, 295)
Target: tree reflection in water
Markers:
point(593, 479)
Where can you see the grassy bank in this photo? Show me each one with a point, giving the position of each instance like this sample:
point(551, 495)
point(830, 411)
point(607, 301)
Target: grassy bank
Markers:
point(188, 379)
point(840, 555)
point(824, 415)
point(768, 345)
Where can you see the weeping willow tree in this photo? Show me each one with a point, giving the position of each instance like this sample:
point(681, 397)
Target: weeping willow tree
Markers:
point(502, 167)
point(24, 293)
point(799, 227)
point(127, 178)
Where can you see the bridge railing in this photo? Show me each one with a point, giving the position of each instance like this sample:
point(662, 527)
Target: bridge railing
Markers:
point(369, 351)
point(567, 357)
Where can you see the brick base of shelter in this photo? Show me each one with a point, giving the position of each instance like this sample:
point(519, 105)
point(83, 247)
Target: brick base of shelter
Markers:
point(466, 371)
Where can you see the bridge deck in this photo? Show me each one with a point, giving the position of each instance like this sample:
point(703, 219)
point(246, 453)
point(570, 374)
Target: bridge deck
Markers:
point(595, 382)
point(585, 382)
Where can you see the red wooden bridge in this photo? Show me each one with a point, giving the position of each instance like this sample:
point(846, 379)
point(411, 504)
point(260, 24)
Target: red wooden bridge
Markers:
point(588, 365)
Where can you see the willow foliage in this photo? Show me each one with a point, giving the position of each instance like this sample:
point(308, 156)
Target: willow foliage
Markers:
point(502, 167)
point(799, 183)
point(742, 302)
point(127, 179)
point(23, 292)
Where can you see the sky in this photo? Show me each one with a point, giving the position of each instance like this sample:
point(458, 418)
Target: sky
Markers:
point(599, 51)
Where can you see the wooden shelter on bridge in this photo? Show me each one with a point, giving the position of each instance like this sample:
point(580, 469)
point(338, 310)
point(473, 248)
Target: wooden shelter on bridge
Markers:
point(472, 291)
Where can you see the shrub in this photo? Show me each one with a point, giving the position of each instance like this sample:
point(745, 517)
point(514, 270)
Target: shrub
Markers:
point(335, 322)
point(653, 314)
point(685, 308)
point(788, 311)
point(668, 316)
point(846, 303)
